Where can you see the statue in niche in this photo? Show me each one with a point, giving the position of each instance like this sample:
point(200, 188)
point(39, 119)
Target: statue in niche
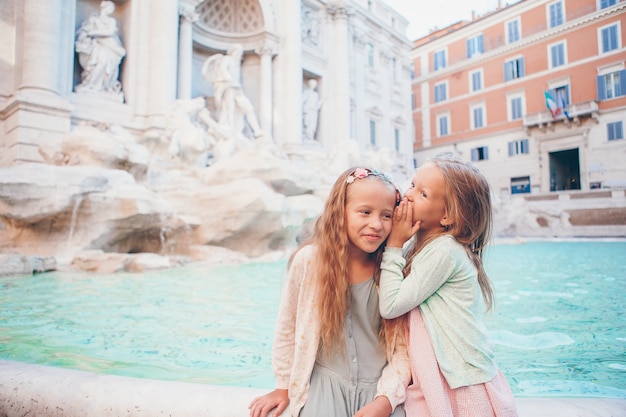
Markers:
point(311, 105)
point(234, 108)
point(100, 51)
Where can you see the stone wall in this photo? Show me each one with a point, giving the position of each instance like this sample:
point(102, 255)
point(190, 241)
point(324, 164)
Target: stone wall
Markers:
point(564, 214)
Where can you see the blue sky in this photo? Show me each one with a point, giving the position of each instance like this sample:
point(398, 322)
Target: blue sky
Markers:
point(424, 15)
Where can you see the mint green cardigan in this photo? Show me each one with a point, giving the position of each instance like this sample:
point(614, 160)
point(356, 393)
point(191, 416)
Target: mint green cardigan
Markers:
point(443, 283)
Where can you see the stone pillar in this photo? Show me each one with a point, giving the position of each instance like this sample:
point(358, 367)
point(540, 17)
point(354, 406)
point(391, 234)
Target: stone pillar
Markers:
point(36, 115)
point(163, 46)
point(266, 53)
point(288, 88)
point(150, 82)
point(188, 15)
point(340, 73)
point(42, 42)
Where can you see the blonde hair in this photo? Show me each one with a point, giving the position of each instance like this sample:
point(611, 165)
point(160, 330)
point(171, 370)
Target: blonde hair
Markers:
point(331, 238)
point(468, 203)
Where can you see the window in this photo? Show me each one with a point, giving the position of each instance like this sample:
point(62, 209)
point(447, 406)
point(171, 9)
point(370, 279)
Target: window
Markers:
point(476, 80)
point(370, 55)
point(512, 31)
point(440, 60)
point(480, 154)
point(443, 125)
point(520, 185)
point(518, 147)
point(615, 130)
point(611, 85)
point(607, 3)
point(475, 46)
point(515, 105)
point(478, 116)
point(555, 14)
point(440, 92)
point(514, 69)
point(394, 68)
point(372, 132)
point(609, 38)
point(557, 55)
point(561, 95)
point(396, 137)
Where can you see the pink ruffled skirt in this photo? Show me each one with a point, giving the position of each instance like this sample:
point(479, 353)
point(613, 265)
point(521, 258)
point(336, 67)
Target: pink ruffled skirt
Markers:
point(429, 395)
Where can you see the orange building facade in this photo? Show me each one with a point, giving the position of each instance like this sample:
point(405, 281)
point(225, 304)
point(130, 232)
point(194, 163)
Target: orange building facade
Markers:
point(533, 93)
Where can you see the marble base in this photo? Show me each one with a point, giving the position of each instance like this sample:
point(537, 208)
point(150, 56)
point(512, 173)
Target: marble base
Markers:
point(34, 390)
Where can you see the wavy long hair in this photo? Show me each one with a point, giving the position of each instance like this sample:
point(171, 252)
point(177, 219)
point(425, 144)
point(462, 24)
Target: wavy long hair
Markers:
point(468, 202)
point(330, 236)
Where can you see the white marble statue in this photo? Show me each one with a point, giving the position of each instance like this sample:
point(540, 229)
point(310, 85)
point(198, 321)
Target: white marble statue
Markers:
point(188, 140)
point(311, 27)
point(311, 105)
point(233, 106)
point(100, 51)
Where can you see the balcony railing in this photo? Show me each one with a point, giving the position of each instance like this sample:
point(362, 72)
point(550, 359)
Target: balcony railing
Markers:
point(575, 111)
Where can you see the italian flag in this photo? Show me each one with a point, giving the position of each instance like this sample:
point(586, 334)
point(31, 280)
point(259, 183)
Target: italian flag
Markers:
point(551, 105)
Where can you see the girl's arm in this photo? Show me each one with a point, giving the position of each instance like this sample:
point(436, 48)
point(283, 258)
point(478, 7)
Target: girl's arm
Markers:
point(391, 388)
point(429, 271)
point(284, 345)
point(284, 337)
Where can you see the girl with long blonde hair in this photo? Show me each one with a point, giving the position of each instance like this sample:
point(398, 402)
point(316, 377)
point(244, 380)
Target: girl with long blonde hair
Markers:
point(445, 220)
point(333, 354)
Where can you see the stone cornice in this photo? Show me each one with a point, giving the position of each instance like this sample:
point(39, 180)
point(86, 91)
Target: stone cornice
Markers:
point(521, 44)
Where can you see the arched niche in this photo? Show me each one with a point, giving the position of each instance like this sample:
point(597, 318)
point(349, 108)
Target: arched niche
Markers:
point(223, 22)
point(220, 24)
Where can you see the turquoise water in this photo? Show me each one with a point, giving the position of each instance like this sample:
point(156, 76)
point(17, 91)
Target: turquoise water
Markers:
point(558, 325)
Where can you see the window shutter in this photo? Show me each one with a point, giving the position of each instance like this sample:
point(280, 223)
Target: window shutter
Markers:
point(481, 44)
point(486, 153)
point(605, 40)
point(524, 145)
point(522, 67)
point(622, 83)
point(511, 148)
point(552, 93)
point(601, 88)
point(474, 154)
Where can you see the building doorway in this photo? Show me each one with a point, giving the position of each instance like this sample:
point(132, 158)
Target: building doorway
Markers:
point(565, 170)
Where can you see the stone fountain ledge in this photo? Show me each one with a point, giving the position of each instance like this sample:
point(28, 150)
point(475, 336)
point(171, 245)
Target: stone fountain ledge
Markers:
point(97, 261)
point(27, 389)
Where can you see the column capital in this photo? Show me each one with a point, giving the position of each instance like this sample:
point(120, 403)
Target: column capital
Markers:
point(266, 49)
point(188, 12)
point(339, 12)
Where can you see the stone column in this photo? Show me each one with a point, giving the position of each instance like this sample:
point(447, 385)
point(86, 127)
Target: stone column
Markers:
point(340, 72)
point(163, 46)
point(288, 88)
point(42, 42)
point(37, 114)
point(150, 81)
point(188, 15)
point(266, 53)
